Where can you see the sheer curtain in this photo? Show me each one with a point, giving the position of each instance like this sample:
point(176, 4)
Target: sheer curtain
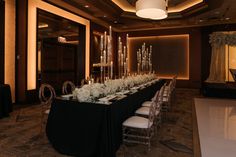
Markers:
point(217, 68)
point(218, 41)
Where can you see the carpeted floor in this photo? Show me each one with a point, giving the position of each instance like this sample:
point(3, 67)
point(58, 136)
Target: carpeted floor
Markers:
point(19, 134)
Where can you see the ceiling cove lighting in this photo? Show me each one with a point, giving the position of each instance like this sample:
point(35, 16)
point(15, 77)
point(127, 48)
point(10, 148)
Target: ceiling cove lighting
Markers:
point(152, 9)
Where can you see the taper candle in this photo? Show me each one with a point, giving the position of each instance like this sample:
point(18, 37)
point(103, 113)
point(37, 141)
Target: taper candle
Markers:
point(105, 40)
point(101, 43)
point(111, 69)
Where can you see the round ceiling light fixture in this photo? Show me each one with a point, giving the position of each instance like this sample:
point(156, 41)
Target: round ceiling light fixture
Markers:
point(152, 9)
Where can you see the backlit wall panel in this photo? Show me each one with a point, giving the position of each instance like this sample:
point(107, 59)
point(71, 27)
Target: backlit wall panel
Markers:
point(170, 54)
point(31, 56)
point(9, 77)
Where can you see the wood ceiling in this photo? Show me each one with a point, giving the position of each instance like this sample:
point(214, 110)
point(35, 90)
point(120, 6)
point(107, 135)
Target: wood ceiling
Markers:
point(53, 26)
point(106, 12)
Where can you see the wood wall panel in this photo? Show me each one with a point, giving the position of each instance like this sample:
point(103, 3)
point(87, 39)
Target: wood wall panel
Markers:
point(2, 23)
point(194, 51)
point(21, 49)
point(80, 65)
point(58, 63)
point(169, 55)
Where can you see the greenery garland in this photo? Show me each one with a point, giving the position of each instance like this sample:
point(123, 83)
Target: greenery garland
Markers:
point(220, 38)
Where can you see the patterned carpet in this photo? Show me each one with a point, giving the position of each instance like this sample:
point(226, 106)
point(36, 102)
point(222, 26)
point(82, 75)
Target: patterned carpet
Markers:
point(19, 134)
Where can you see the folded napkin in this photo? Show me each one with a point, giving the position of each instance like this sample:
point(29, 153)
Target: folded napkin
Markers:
point(67, 96)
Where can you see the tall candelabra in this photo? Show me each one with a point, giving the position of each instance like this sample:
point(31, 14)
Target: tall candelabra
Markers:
point(106, 56)
point(144, 59)
point(123, 58)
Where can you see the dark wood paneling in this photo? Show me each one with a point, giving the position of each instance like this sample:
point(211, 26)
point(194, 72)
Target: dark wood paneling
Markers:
point(169, 55)
point(195, 58)
point(58, 63)
point(21, 50)
point(2, 23)
point(194, 52)
point(81, 54)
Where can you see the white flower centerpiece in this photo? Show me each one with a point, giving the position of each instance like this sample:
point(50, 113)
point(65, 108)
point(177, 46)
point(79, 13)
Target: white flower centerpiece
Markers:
point(91, 92)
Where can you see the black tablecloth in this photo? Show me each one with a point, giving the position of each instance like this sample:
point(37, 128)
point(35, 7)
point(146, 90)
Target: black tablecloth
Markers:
point(92, 130)
point(5, 100)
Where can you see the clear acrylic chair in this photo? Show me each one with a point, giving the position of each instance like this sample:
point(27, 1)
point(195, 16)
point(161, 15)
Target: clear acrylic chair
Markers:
point(46, 96)
point(139, 130)
point(83, 81)
point(68, 87)
point(157, 100)
point(157, 97)
point(166, 99)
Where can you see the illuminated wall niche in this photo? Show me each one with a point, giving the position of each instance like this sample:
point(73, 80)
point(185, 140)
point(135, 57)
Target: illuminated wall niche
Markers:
point(170, 54)
point(230, 62)
point(9, 57)
point(31, 54)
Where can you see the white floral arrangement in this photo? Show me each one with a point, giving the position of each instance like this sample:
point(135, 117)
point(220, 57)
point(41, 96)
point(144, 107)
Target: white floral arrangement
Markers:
point(89, 93)
point(220, 38)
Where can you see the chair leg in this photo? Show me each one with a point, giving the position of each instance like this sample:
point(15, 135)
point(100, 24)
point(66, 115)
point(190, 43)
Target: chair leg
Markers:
point(149, 135)
point(18, 115)
point(42, 122)
point(124, 150)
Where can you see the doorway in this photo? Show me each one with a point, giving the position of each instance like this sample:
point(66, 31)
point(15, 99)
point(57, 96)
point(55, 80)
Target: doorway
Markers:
point(60, 50)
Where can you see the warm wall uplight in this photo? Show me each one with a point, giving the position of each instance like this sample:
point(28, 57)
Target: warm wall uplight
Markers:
point(9, 59)
point(230, 62)
point(184, 5)
point(31, 55)
point(170, 55)
point(124, 5)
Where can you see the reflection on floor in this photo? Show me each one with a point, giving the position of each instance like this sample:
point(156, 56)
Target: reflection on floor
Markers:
point(217, 127)
point(174, 139)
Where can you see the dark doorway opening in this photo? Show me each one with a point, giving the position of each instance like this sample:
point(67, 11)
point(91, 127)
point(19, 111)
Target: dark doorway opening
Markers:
point(61, 50)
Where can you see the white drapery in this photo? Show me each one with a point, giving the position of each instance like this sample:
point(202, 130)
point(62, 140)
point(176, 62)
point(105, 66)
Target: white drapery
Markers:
point(218, 41)
point(217, 68)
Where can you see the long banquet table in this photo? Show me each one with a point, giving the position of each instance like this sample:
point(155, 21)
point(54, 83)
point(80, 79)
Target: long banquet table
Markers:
point(89, 129)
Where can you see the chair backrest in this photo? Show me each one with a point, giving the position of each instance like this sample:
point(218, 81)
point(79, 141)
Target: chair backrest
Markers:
point(161, 92)
point(97, 80)
point(155, 96)
point(66, 85)
point(151, 115)
point(168, 87)
point(46, 93)
point(82, 82)
point(174, 81)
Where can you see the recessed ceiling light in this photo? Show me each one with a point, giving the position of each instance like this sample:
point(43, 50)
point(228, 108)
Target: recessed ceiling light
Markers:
point(115, 21)
point(201, 20)
point(227, 18)
point(86, 6)
point(104, 16)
